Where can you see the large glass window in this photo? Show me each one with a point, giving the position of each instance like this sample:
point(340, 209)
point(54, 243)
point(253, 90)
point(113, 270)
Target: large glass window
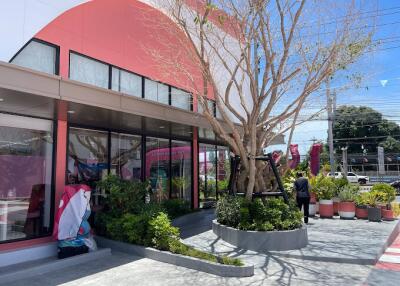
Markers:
point(89, 71)
point(156, 91)
point(26, 147)
point(181, 172)
point(207, 175)
point(157, 167)
point(126, 156)
point(38, 56)
point(223, 169)
point(180, 99)
point(126, 82)
point(87, 156)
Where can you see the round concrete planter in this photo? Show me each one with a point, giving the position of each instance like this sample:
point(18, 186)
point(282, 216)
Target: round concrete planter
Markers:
point(387, 214)
point(336, 202)
point(361, 212)
point(347, 210)
point(312, 210)
point(374, 214)
point(261, 241)
point(326, 208)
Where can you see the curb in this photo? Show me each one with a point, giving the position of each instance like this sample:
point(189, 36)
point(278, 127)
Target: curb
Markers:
point(262, 241)
point(53, 265)
point(395, 232)
point(177, 259)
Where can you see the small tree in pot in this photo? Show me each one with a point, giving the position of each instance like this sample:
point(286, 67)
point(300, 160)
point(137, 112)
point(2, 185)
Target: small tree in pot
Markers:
point(387, 195)
point(340, 185)
point(374, 211)
point(347, 206)
point(361, 201)
point(325, 190)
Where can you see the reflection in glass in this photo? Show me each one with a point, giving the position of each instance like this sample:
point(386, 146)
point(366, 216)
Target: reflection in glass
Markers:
point(87, 156)
point(223, 169)
point(126, 156)
point(25, 177)
point(88, 71)
point(181, 154)
point(157, 167)
point(207, 178)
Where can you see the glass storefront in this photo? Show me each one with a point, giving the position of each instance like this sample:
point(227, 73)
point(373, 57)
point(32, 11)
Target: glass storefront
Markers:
point(214, 173)
point(207, 178)
point(126, 156)
point(87, 156)
point(181, 170)
point(158, 167)
point(26, 156)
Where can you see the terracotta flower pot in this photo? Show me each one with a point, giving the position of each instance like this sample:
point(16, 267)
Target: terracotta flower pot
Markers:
point(374, 214)
point(326, 208)
point(361, 212)
point(336, 202)
point(313, 198)
point(387, 214)
point(312, 210)
point(317, 207)
point(347, 210)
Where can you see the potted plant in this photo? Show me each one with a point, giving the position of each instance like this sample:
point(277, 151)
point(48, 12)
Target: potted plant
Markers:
point(312, 210)
point(387, 195)
point(347, 206)
point(361, 201)
point(325, 190)
point(340, 184)
point(374, 211)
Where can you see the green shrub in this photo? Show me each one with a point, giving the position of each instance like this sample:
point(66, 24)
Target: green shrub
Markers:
point(162, 232)
point(362, 199)
point(122, 196)
point(176, 207)
point(324, 187)
point(340, 185)
point(257, 210)
point(228, 211)
point(386, 193)
point(349, 193)
point(178, 247)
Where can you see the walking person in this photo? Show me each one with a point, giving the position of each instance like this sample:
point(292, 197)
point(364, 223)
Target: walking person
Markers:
point(302, 188)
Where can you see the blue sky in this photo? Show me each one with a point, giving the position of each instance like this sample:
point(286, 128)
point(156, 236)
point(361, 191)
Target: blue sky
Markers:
point(376, 67)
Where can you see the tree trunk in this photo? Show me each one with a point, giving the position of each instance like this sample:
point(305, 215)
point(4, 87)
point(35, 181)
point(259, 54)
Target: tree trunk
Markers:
point(252, 178)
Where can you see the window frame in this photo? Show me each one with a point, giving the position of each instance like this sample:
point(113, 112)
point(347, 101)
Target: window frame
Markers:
point(57, 49)
point(52, 178)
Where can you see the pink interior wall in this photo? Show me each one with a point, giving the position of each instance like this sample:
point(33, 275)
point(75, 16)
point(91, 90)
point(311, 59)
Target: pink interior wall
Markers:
point(20, 173)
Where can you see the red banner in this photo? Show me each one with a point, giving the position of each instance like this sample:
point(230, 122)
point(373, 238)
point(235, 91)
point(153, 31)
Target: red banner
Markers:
point(294, 151)
point(314, 158)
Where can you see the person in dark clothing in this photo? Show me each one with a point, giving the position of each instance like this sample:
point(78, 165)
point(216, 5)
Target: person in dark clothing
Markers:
point(302, 189)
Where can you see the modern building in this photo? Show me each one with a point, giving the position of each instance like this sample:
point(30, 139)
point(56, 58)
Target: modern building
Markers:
point(82, 96)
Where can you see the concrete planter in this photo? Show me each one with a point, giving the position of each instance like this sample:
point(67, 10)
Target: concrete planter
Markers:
point(374, 214)
point(177, 259)
point(326, 208)
point(347, 210)
point(262, 241)
point(361, 212)
point(312, 210)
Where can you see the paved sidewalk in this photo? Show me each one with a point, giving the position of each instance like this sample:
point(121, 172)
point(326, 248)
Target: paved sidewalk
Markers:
point(338, 254)
point(387, 270)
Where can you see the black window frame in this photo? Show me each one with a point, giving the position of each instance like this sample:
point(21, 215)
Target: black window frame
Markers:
point(57, 49)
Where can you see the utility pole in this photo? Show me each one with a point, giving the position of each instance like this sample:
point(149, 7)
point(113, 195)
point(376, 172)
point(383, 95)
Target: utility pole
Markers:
point(344, 159)
point(331, 105)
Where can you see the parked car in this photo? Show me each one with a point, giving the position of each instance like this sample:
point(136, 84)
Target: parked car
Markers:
point(396, 185)
point(353, 178)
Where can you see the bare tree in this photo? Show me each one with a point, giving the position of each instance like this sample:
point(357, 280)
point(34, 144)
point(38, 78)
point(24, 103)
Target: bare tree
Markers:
point(260, 61)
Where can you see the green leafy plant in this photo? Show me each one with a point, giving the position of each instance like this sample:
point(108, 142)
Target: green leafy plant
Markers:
point(349, 193)
point(386, 193)
point(176, 207)
point(323, 186)
point(362, 199)
point(161, 232)
point(228, 211)
point(340, 185)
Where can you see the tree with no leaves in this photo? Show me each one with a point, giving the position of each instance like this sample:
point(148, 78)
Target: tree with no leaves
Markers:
point(261, 61)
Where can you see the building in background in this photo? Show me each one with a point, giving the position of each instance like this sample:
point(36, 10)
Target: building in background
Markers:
point(81, 97)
